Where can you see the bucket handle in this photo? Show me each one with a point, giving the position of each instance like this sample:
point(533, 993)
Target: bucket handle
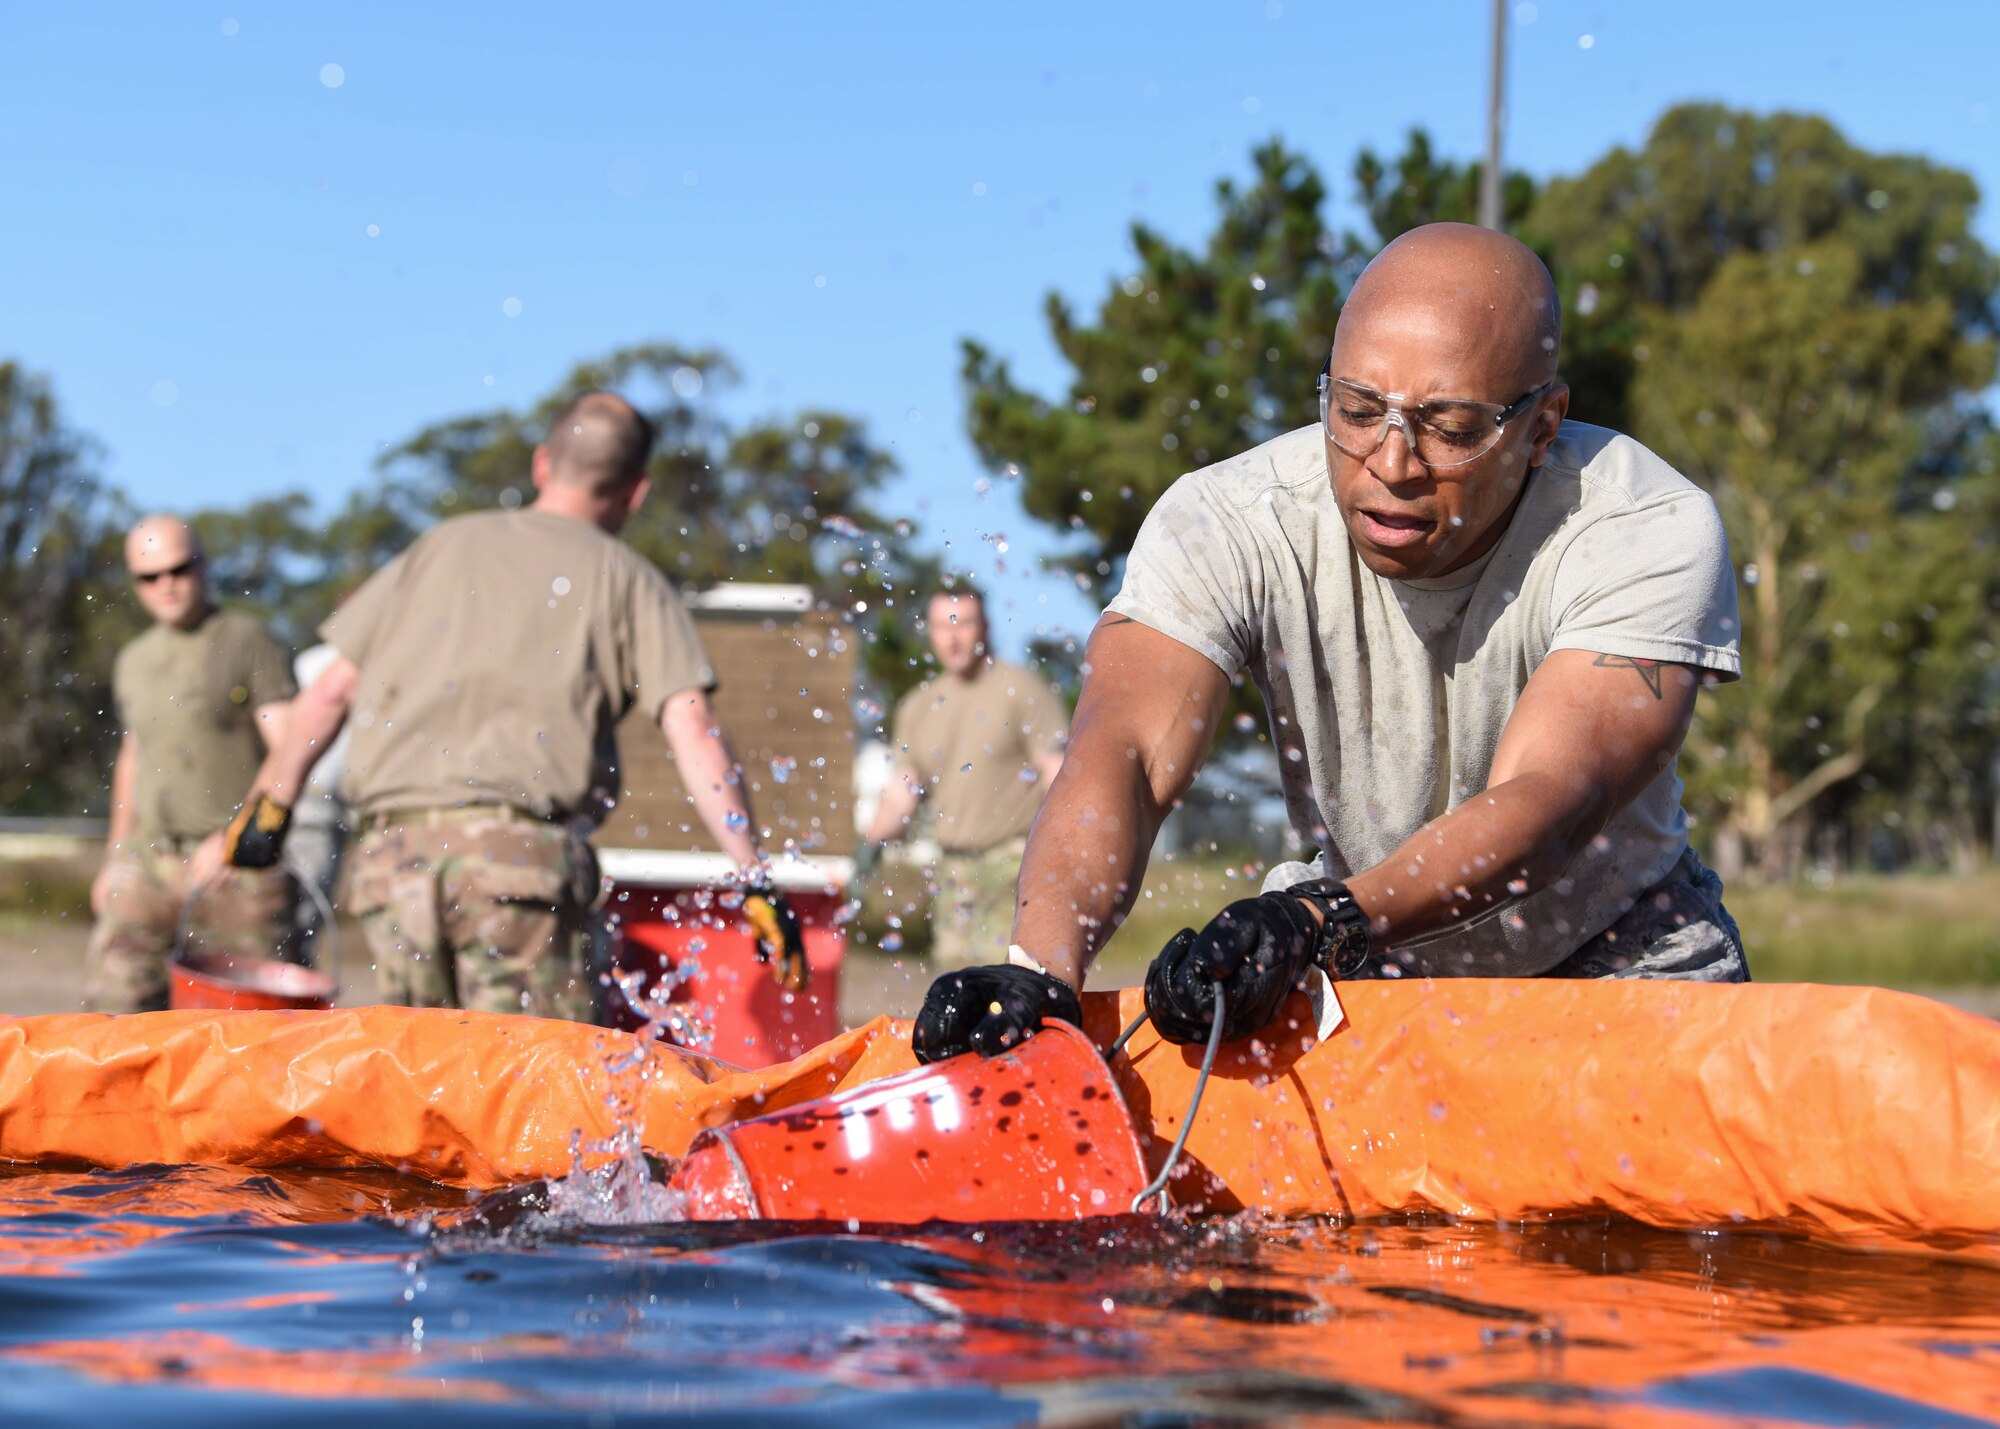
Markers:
point(329, 924)
point(1158, 1185)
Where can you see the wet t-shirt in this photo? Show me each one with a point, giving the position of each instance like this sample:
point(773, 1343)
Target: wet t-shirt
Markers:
point(1387, 698)
point(971, 744)
point(189, 699)
point(497, 655)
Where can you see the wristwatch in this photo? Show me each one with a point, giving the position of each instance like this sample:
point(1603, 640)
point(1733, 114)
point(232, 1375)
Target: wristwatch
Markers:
point(1344, 941)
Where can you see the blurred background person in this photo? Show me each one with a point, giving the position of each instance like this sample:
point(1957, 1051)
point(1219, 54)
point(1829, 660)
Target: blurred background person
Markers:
point(320, 827)
point(981, 741)
point(199, 696)
point(486, 669)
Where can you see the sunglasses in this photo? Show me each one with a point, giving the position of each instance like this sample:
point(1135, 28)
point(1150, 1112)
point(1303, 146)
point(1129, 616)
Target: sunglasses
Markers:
point(186, 567)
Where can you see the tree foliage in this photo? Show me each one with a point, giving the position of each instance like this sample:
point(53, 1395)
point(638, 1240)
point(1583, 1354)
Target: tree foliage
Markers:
point(1189, 358)
point(792, 500)
point(61, 615)
point(1803, 328)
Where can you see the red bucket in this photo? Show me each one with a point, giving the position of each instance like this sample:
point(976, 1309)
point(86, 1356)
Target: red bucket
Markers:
point(1037, 1133)
point(229, 982)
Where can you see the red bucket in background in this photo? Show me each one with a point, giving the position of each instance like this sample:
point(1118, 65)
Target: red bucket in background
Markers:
point(667, 926)
point(240, 983)
point(1037, 1133)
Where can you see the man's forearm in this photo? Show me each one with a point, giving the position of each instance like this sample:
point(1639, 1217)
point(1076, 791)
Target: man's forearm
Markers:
point(1507, 842)
point(709, 771)
point(893, 813)
point(311, 725)
point(124, 781)
point(1085, 860)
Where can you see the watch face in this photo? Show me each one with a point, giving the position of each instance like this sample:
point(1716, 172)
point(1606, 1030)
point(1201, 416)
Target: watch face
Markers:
point(1350, 941)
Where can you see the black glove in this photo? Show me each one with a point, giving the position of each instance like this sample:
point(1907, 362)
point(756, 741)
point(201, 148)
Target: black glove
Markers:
point(988, 1010)
point(779, 938)
point(1258, 949)
point(256, 836)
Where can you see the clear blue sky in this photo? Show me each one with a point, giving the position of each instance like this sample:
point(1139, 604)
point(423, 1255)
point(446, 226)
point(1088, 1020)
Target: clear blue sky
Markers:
point(243, 278)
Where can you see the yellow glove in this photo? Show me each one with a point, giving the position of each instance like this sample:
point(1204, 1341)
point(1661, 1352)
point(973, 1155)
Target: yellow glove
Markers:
point(256, 836)
point(779, 938)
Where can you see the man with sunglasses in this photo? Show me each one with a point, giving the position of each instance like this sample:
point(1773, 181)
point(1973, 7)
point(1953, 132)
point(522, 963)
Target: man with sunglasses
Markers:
point(200, 697)
point(1479, 630)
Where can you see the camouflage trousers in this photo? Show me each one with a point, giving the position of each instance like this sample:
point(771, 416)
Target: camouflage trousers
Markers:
point(477, 908)
point(244, 911)
point(1676, 929)
point(972, 920)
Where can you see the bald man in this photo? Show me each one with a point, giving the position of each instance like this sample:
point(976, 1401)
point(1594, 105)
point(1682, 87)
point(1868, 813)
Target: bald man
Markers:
point(199, 697)
point(1479, 629)
point(485, 669)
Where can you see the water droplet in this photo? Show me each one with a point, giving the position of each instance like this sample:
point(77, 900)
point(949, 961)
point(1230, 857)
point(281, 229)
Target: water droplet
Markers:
point(735, 819)
point(332, 76)
point(782, 767)
point(686, 381)
point(374, 230)
point(511, 307)
point(166, 392)
point(560, 585)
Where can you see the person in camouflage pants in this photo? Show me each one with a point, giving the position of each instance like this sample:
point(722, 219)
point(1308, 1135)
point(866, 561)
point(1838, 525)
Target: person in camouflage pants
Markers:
point(479, 908)
point(144, 891)
point(974, 911)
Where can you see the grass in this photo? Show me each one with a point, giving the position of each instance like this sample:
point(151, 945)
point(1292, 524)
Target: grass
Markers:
point(1909, 931)
point(1904, 931)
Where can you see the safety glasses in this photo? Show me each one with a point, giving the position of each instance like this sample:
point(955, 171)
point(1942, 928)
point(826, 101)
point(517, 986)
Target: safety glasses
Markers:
point(1443, 432)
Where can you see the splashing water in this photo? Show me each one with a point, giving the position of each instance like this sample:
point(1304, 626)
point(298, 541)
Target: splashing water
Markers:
point(615, 1181)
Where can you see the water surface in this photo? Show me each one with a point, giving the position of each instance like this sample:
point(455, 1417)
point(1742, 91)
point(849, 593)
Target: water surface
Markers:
point(214, 1298)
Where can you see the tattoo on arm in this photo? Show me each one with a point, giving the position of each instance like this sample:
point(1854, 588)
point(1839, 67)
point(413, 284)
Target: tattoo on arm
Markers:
point(1651, 671)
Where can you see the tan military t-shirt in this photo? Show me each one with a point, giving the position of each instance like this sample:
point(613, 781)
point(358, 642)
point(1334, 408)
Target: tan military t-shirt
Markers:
point(190, 699)
point(1388, 698)
point(496, 656)
point(969, 742)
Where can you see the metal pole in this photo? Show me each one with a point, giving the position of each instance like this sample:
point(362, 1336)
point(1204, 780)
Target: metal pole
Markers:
point(1490, 215)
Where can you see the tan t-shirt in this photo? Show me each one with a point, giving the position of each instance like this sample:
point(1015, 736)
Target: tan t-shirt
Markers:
point(1387, 698)
point(497, 654)
point(970, 743)
point(190, 699)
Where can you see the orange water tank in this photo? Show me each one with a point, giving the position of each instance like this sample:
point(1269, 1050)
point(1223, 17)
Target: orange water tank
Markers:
point(1037, 1133)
